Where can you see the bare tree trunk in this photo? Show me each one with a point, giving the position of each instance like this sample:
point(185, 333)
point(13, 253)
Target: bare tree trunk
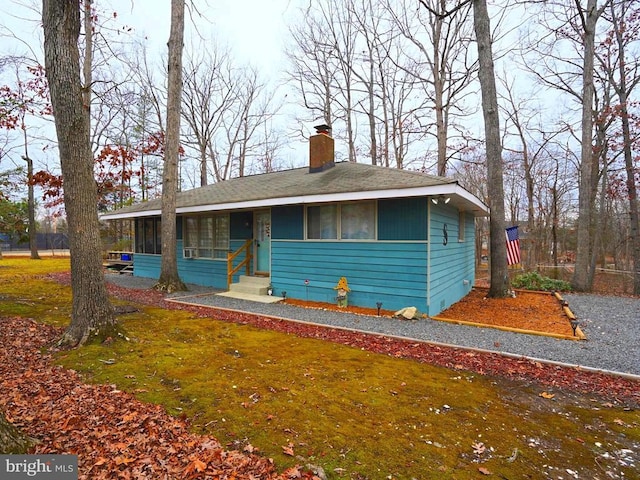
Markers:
point(91, 313)
point(583, 249)
point(31, 203)
point(169, 279)
point(499, 284)
point(627, 140)
point(88, 59)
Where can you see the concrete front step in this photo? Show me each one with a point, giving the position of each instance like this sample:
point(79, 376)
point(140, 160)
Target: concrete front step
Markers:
point(251, 285)
point(251, 297)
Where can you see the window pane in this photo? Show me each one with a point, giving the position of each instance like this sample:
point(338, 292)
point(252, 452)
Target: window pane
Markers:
point(357, 221)
point(190, 232)
point(322, 222)
point(158, 250)
point(149, 236)
point(205, 237)
point(139, 236)
point(222, 232)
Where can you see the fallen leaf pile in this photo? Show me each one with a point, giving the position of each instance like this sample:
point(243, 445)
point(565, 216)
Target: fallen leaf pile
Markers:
point(113, 434)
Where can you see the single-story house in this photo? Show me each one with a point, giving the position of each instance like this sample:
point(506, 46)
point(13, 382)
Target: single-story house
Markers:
point(400, 238)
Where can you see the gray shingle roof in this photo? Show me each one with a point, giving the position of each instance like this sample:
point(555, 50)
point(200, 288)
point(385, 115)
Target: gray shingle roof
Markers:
point(344, 177)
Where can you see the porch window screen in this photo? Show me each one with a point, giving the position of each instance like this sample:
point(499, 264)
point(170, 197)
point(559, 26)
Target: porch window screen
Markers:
point(346, 221)
point(207, 236)
point(148, 232)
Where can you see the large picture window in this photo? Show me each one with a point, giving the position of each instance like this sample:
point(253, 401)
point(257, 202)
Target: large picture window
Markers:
point(206, 236)
point(345, 221)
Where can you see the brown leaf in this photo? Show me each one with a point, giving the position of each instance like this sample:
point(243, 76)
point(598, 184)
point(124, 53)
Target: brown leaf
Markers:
point(288, 450)
point(484, 471)
point(546, 395)
point(199, 465)
point(478, 448)
point(122, 460)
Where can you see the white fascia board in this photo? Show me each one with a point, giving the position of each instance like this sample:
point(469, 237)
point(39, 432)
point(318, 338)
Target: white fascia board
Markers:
point(450, 189)
point(120, 216)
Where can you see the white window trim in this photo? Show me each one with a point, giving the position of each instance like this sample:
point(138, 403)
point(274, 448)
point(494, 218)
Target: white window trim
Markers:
point(462, 219)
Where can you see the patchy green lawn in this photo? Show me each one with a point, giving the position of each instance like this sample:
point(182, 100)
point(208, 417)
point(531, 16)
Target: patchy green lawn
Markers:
point(355, 413)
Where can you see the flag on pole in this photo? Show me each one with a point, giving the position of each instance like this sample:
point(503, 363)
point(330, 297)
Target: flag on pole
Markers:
point(513, 246)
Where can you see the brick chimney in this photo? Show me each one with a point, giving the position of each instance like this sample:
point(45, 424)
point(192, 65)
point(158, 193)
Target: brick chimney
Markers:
point(321, 149)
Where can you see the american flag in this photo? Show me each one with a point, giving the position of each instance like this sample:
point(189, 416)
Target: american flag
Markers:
point(513, 246)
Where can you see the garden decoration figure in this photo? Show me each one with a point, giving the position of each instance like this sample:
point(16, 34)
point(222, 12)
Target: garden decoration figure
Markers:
point(343, 289)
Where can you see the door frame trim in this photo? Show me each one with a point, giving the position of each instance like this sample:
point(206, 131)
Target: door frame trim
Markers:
point(257, 272)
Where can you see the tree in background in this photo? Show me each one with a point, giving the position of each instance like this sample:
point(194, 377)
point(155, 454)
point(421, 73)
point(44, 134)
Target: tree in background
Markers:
point(14, 213)
point(28, 100)
point(92, 314)
point(622, 68)
point(169, 280)
point(443, 66)
point(588, 18)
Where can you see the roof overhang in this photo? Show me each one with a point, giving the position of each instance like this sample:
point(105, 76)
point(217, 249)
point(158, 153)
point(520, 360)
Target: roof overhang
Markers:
point(459, 197)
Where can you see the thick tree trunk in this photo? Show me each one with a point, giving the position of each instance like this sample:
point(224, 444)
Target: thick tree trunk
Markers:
point(583, 249)
point(169, 280)
point(91, 312)
point(12, 440)
point(499, 284)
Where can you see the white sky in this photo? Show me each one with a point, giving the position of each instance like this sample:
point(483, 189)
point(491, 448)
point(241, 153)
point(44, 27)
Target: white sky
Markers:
point(256, 30)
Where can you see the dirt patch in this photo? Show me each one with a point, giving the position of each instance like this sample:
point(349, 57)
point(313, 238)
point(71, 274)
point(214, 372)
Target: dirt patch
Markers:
point(537, 312)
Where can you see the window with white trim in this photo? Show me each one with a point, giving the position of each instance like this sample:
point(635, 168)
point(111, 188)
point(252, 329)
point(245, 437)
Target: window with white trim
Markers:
point(344, 221)
point(206, 236)
point(461, 226)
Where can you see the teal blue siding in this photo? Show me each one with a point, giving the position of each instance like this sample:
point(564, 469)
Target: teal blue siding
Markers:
point(287, 223)
point(199, 271)
point(409, 264)
point(146, 265)
point(394, 273)
point(402, 219)
point(452, 266)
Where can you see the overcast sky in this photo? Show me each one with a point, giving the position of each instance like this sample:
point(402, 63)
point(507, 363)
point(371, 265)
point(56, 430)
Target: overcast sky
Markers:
point(255, 29)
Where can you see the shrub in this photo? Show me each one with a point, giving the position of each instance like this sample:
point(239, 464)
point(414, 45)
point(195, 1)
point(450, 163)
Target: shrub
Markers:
point(535, 281)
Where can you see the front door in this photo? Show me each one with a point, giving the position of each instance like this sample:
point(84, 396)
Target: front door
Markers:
point(263, 241)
